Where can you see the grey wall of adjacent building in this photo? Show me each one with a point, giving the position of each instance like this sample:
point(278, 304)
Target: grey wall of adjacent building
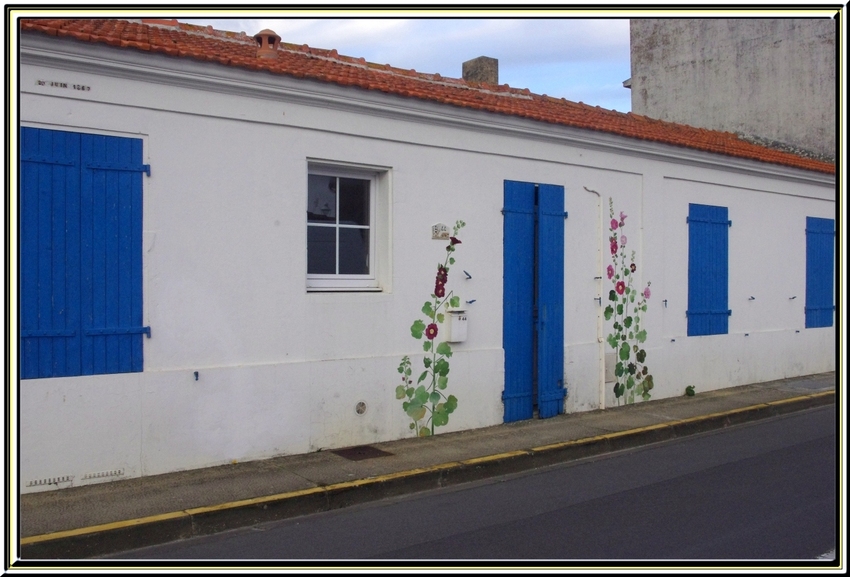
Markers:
point(773, 79)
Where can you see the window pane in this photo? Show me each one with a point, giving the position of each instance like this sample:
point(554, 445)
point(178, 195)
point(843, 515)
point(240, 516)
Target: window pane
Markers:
point(321, 250)
point(353, 251)
point(353, 201)
point(321, 198)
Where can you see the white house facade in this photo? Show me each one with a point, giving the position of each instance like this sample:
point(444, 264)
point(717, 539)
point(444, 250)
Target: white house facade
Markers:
point(256, 337)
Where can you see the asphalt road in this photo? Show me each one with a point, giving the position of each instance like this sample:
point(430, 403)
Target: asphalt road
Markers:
point(761, 491)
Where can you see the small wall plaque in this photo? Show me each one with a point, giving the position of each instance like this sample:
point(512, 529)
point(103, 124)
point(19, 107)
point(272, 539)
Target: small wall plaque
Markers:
point(440, 231)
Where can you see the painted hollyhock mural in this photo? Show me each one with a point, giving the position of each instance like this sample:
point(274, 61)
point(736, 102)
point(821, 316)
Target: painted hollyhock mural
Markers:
point(426, 402)
point(626, 303)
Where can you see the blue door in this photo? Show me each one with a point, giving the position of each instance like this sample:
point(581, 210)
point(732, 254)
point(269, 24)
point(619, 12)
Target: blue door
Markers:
point(80, 254)
point(533, 300)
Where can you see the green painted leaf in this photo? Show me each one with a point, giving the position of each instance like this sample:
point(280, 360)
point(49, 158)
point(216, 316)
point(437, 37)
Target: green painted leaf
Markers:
point(426, 346)
point(441, 367)
point(440, 317)
point(641, 356)
point(421, 395)
point(641, 336)
point(422, 377)
point(624, 351)
point(442, 382)
point(627, 322)
point(444, 349)
point(451, 403)
point(417, 328)
point(451, 260)
point(619, 309)
point(424, 432)
point(612, 296)
point(609, 311)
point(417, 413)
point(428, 309)
point(630, 382)
point(440, 419)
point(619, 369)
point(409, 392)
point(412, 425)
point(427, 362)
point(434, 398)
point(454, 302)
point(400, 392)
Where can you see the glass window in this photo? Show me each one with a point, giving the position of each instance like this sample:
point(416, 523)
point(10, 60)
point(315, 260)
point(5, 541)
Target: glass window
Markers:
point(340, 235)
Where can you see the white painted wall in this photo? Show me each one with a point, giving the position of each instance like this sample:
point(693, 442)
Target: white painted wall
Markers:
point(280, 370)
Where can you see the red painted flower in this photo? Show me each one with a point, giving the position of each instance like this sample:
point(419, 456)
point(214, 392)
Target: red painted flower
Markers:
point(620, 288)
point(454, 240)
point(431, 331)
point(440, 290)
point(614, 247)
point(442, 274)
point(632, 267)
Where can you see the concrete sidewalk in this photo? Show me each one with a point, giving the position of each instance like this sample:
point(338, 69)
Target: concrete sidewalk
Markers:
point(109, 517)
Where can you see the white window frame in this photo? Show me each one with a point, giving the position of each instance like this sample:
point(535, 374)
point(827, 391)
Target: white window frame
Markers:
point(347, 282)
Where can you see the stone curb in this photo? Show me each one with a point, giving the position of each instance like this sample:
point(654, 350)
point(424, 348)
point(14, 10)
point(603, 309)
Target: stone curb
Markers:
point(119, 536)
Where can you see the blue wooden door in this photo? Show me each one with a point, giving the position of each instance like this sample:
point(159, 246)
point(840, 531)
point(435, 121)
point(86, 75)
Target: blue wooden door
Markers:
point(80, 254)
point(708, 270)
point(550, 300)
point(533, 299)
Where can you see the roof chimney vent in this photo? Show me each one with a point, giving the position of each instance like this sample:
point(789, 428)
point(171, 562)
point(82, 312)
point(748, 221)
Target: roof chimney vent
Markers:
point(267, 43)
point(481, 69)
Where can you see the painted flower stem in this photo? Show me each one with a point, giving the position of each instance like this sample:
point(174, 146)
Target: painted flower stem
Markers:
point(625, 308)
point(426, 404)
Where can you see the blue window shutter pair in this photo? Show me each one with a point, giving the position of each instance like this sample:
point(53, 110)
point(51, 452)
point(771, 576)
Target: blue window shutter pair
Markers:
point(80, 254)
point(533, 272)
point(820, 263)
point(708, 270)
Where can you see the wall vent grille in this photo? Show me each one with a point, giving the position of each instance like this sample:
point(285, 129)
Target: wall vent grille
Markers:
point(101, 474)
point(51, 481)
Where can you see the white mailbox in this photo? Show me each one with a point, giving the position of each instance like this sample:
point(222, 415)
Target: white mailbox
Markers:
point(457, 327)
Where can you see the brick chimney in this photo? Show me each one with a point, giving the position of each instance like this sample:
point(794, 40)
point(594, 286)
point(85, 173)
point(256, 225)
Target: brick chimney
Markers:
point(481, 69)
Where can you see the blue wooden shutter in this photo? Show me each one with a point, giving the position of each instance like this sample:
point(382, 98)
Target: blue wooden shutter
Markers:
point(49, 253)
point(820, 263)
point(518, 299)
point(550, 301)
point(111, 262)
point(708, 270)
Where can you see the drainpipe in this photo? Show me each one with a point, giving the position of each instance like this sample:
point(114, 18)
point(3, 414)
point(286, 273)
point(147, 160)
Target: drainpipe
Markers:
point(600, 340)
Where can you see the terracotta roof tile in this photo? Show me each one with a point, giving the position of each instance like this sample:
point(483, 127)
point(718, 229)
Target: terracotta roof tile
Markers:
point(183, 40)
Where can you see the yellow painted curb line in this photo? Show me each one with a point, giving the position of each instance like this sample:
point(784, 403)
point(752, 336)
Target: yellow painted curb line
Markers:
point(389, 476)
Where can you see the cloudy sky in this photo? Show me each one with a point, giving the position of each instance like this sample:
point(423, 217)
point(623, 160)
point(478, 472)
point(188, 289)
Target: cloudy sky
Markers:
point(583, 60)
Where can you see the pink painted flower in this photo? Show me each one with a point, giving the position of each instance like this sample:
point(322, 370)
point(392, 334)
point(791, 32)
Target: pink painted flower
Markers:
point(614, 247)
point(610, 272)
point(620, 288)
point(431, 331)
point(646, 293)
point(623, 216)
point(623, 239)
point(614, 224)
